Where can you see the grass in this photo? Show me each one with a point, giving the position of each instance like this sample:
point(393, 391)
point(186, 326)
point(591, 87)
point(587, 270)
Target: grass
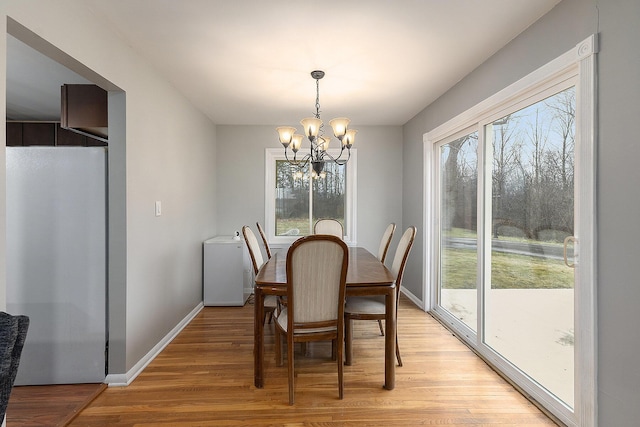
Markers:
point(459, 266)
point(301, 224)
point(508, 271)
point(284, 225)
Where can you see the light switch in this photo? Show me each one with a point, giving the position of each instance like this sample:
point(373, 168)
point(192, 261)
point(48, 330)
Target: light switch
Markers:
point(158, 208)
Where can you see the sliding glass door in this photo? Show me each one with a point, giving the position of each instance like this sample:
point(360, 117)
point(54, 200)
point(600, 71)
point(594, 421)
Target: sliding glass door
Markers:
point(502, 232)
point(527, 286)
point(510, 253)
point(505, 212)
point(458, 242)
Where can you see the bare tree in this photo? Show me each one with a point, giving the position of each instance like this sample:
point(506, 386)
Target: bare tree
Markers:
point(563, 106)
point(459, 173)
point(506, 156)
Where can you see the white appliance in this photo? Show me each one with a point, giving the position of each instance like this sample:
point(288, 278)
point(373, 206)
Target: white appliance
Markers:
point(56, 261)
point(228, 275)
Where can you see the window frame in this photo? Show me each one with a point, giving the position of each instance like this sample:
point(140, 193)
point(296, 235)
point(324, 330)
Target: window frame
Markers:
point(274, 154)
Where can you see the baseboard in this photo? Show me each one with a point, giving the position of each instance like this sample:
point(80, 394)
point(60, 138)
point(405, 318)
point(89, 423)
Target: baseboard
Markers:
point(123, 380)
point(417, 301)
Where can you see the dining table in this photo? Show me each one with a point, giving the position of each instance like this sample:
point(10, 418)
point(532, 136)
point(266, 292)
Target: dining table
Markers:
point(366, 275)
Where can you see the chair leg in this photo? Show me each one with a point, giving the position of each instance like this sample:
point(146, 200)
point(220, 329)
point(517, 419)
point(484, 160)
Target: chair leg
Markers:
point(278, 337)
point(398, 351)
point(339, 359)
point(380, 326)
point(265, 314)
point(348, 322)
point(290, 367)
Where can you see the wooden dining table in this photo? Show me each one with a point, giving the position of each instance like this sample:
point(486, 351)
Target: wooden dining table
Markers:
point(366, 275)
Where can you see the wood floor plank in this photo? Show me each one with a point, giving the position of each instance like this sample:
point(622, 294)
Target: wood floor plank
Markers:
point(205, 378)
point(50, 406)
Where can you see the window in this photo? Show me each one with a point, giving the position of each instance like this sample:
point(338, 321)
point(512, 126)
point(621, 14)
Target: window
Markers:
point(296, 199)
point(512, 183)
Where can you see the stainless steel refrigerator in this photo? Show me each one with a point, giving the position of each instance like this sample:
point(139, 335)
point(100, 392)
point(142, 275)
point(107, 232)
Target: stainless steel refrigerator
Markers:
point(56, 260)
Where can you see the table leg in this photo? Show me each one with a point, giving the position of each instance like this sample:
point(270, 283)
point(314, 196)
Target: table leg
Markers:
point(390, 340)
point(258, 337)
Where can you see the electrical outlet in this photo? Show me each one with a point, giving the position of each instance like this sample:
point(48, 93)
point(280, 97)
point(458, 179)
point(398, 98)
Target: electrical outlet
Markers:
point(158, 208)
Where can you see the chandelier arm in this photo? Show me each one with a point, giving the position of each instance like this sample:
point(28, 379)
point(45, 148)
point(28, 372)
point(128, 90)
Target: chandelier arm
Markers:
point(291, 162)
point(305, 160)
point(338, 160)
point(298, 163)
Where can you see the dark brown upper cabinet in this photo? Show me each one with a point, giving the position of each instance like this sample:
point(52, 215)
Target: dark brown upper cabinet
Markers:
point(84, 110)
point(14, 134)
point(38, 134)
point(21, 134)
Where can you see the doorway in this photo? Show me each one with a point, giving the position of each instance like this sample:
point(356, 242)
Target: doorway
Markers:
point(115, 324)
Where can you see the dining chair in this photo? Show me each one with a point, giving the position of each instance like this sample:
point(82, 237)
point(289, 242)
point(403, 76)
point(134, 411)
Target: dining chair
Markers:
point(373, 307)
point(264, 240)
point(329, 226)
point(316, 286)
point(281, 300)
point(385, 242)
point(270, 301)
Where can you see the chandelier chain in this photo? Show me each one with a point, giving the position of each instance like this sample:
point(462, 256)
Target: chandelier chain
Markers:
point(317, 78)
point(317, 98)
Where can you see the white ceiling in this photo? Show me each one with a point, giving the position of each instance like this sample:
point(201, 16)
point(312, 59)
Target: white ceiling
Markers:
point(249, 61)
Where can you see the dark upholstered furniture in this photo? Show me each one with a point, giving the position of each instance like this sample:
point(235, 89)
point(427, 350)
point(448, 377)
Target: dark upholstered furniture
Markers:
point(13, 332)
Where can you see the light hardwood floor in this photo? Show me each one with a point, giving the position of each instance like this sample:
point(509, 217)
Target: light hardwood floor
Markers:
point(205, 378)
point(49, 405)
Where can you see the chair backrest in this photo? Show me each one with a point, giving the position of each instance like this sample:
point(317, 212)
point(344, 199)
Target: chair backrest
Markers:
point(264, 240)
point(254, 248)
point(385, 242)
point(316, 281)
point(331, 227)
point(402, 253)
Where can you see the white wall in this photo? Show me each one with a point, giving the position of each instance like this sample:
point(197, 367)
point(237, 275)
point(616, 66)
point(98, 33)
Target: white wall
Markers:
point(618, 204)
point(170, 156)
point(241, 180)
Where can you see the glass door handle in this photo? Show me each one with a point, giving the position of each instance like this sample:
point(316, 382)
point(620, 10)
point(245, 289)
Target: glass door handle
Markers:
point(566, 243)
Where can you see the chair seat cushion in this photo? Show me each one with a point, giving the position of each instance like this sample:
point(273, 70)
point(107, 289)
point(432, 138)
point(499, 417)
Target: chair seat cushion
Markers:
point(365, 305)
point(270, 302)
point(283, 323)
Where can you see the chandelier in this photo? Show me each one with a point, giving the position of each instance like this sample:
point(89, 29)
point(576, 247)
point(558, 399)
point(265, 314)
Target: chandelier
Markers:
point(318, 152)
